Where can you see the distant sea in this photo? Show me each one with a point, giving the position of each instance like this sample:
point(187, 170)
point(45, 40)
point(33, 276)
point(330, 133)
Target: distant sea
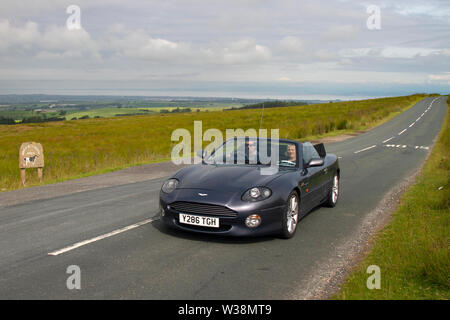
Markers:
point(208, 94)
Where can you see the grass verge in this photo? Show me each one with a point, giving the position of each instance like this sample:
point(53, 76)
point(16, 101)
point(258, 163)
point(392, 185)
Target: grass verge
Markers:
point(413, 250)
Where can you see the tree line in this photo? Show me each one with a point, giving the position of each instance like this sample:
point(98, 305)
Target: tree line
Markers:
point(270, 104)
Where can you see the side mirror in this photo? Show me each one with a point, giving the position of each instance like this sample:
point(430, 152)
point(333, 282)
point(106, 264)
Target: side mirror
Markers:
point(315, 163)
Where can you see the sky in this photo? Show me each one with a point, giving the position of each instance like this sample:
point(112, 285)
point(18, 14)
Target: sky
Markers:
point(296, 49)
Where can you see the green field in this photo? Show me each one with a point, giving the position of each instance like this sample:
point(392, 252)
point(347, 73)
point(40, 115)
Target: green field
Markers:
point(83, 147)
point(109, 109)
point(413, 250)
point(112, 112)
point(103, 112)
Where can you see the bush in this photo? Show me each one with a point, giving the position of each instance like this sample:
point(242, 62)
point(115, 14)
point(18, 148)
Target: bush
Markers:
point(5, 120)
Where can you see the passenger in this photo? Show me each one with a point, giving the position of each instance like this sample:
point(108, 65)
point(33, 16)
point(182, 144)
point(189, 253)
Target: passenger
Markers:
point(291, 153)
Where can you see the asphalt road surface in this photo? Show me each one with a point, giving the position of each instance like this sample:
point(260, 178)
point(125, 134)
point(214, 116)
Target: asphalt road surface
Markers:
point(113, 234)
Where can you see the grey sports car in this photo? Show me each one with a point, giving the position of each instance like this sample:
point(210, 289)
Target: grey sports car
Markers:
point(236, 191)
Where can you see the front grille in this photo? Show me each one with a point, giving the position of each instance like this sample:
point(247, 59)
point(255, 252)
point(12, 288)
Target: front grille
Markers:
point(202, 208)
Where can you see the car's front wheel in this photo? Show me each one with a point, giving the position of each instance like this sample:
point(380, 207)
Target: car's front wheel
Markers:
point(333, 193)
point(290, 216)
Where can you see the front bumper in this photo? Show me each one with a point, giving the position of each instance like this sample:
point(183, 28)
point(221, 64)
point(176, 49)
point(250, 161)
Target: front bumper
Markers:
point(271, 220)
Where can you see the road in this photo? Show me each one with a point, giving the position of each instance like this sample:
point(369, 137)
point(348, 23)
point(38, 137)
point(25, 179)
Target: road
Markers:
point(114, 236)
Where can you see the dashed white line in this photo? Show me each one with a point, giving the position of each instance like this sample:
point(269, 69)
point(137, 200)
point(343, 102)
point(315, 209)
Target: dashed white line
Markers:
point(366, 149)
point(411, 124)
point(388, 140)
point(402, 131)
point(404, 146)
point(106, 235)
point(418, 119)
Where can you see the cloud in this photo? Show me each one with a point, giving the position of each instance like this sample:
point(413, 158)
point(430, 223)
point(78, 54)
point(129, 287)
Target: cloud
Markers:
point(291, 44)
point(285, 41)
point(15, 36)
point(138, 44)
point(54, 41)
point(243, 51)
point(391, 52)
point(141, 45)
point(341, 33)
point(440, 77)
point(326, 55)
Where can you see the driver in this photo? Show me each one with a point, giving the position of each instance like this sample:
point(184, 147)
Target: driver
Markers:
point(252, 153)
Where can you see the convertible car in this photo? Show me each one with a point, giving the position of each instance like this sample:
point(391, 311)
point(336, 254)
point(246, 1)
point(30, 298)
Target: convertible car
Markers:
point(232, 193)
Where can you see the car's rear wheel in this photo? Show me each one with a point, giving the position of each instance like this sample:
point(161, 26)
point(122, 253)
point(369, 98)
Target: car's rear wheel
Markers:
point(290, 216)
point(333, 194)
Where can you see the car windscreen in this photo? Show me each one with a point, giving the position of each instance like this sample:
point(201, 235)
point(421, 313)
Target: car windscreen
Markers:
point(255, 152)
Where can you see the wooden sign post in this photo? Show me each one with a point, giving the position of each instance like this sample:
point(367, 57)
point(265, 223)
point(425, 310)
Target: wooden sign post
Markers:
point(31, 155)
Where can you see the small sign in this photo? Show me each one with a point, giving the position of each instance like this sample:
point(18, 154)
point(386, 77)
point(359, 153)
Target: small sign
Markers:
point(31, 155)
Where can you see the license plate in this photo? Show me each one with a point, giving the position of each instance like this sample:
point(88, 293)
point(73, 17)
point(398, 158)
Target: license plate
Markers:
point(199, 221)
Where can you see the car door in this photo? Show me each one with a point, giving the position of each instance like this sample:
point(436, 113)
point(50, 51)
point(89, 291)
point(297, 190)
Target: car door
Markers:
point(310, 188)
point(311, 185)
point(327, 171)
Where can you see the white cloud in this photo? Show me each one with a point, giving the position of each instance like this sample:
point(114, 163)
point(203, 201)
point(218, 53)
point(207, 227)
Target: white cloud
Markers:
point(243, 51)
point(390, 52)
point(243, 41)
point(138, 44)
point(440, 77)
point(141, 45)
point(341, 33)
point(326, 55)
point(56, 40)
point(15, 36)
point(291, 44)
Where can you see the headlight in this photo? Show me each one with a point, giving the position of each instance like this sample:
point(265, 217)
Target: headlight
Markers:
point(169, 185)
point(256, 194)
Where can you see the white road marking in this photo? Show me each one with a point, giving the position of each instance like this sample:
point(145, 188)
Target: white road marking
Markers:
point(411, 124)
point(404, 146)
point(106, 235)
point(402, 131)
point(366, 149)
point(388, 140)
point(418, 119)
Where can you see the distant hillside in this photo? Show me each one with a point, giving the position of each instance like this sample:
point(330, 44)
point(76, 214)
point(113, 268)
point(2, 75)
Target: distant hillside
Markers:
point(272, 104)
